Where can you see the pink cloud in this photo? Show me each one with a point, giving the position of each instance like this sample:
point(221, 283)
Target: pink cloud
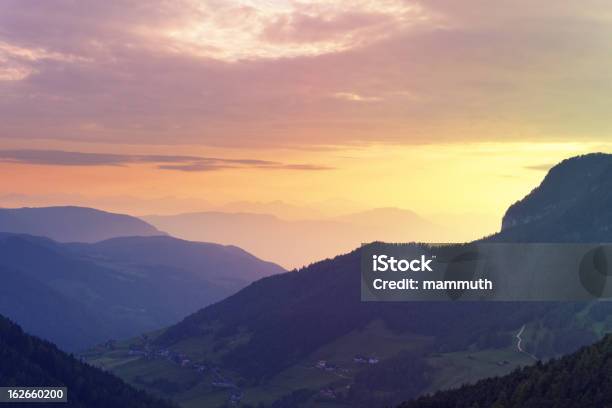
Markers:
point(225, 73)
point(300, 28)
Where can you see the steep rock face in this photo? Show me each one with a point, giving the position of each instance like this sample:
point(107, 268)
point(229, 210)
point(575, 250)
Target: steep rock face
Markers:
point(573, 203)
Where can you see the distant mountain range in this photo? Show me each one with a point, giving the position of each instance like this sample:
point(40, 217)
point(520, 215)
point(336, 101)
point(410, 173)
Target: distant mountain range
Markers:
point(79, 294)
point(305, 339)
point(29, 361)
point(281, 209)
point(298, 243)
point(162, 204)
point(72, 224)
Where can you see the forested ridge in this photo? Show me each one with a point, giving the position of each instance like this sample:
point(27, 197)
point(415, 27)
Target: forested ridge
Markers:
point(29, 361)
point(581, 379)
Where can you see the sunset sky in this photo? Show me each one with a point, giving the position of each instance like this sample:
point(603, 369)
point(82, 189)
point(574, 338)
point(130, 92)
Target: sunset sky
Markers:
point(444, 107)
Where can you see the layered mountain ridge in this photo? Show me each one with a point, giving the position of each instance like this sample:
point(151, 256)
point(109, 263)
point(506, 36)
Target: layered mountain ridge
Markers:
point(77, 295)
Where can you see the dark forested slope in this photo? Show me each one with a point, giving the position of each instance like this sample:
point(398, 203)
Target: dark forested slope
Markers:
point(581, 379)
point(29, 361)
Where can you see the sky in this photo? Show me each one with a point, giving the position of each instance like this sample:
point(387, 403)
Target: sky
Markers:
point(442, 107)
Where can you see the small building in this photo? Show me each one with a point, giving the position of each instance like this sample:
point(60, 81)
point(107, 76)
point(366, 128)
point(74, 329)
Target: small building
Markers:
point(327, 393)
point(360, 359)
point(223, 384)
point(235, 398)
point(110, 344)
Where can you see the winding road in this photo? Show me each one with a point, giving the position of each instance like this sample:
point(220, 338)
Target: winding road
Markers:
point(519, 343)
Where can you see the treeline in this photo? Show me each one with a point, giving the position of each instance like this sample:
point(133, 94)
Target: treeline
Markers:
point(581, 379)
point(389, 382)
point(30, 361)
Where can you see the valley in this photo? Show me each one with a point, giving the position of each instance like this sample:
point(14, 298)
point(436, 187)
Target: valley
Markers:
point(193, 374)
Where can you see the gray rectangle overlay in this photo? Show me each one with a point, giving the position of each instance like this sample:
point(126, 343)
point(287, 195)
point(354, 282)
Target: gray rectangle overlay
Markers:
point(33, 394)
point(486, 271)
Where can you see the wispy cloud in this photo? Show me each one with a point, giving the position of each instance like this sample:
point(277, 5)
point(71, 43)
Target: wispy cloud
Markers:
point(16, 62)
point(163, 162)
point(540, 167)
point(355, 97)
point(262, 30)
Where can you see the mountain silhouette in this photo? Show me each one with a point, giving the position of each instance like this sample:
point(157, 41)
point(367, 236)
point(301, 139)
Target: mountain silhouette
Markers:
point(299, 242)
point(78, 295)
point(72, 224)
point(572, 204)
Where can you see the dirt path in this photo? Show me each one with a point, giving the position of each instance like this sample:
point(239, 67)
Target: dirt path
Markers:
point(519, 343)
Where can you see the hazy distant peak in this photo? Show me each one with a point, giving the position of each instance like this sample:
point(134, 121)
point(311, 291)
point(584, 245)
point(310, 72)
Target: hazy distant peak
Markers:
point(299, 242)
point(211, 214)
point(386, 216)
point(71, 223)
point(388, 210)
point(279, 208)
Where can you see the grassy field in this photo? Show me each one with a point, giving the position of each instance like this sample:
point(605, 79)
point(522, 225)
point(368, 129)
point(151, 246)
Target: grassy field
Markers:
point(451, 370)
point(192, 389)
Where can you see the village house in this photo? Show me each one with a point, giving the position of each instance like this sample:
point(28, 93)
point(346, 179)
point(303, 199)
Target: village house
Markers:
point(360, 359)
point(327, 393)
point(223, 384)
point(235, 398)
